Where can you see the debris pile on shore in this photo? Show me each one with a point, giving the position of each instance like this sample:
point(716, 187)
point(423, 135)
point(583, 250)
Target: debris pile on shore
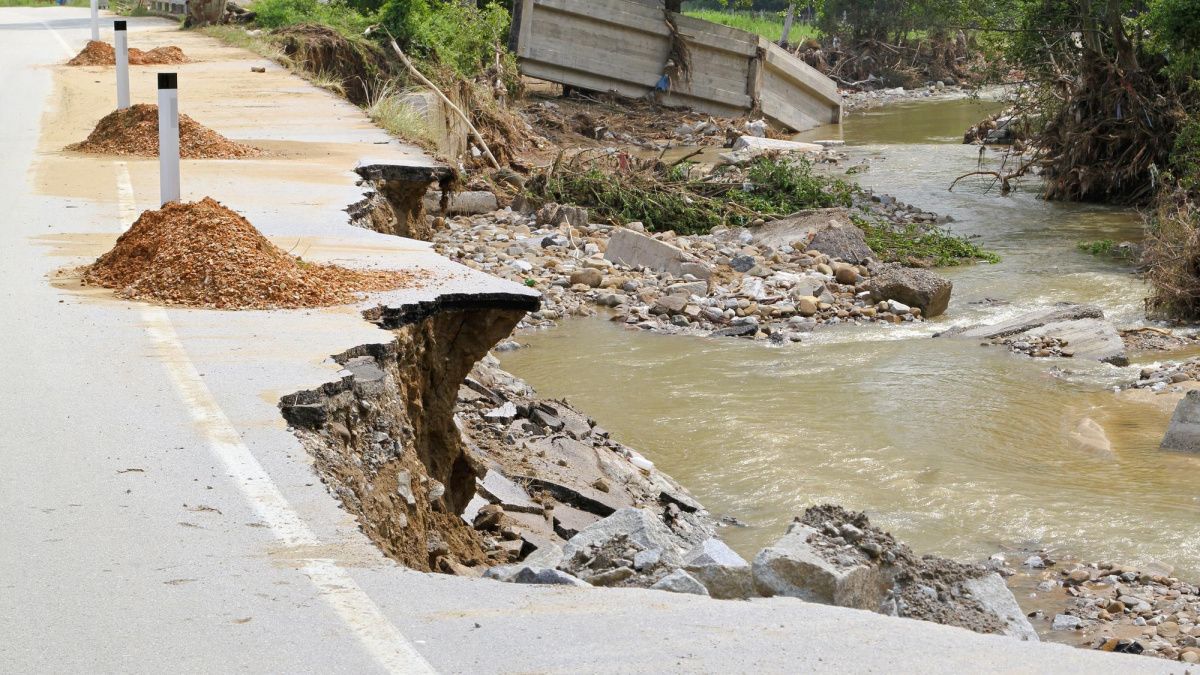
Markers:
point(202, 254)
point(134, 131)
point(1117, 608)
point(775, 281)
point(97, 53)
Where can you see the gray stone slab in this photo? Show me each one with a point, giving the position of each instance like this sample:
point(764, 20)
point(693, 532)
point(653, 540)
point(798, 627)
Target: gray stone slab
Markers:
point(1088, 338)
point(1183, 433)
point(500, 490)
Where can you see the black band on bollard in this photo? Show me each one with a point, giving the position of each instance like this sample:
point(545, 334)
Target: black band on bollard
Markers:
point(168, 81)
point(118, 25)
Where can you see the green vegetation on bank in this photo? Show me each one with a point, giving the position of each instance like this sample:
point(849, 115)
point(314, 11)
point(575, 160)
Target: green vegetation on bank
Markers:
point(667, 197)
point(768, 25)
point(921, 244)
point(43, 3)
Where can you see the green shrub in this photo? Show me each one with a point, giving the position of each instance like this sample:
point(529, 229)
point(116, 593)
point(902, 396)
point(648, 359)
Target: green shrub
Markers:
point(336, 14)
point(462, 38)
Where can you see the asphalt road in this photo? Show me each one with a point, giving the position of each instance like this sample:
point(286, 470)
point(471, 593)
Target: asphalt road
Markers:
point(156, 515)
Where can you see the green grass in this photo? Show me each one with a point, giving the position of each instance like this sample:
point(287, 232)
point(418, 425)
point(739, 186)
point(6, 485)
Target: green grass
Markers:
point(387, 109)
point(915, 243)
point(770, 26)
point(42, 3)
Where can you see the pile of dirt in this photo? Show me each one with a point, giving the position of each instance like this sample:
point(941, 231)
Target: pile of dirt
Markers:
point(134, 131)
point(97, 53)
point(202, 254)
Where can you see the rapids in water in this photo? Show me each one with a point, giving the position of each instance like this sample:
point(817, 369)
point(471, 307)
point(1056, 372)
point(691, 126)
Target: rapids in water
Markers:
point(958, 449)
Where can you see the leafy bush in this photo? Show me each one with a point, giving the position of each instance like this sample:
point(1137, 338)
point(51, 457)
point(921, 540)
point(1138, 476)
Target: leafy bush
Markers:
point(336, 14)
point(463, 38)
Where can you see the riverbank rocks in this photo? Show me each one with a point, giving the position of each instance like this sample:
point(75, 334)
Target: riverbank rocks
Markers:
point(637, 526)
point(1183, 433)
point(1111, 607)
point(911, 286)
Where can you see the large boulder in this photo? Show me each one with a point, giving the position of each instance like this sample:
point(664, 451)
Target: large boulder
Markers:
point(828, 231)
point(794, 568)
point(1184, 431)
point(911, 286)
point(638, 526)
point(993, 597)
point(723, 572)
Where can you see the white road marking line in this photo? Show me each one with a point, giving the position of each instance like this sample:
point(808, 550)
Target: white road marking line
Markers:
point(333, 583)
point(126, 205)
point(66, 47)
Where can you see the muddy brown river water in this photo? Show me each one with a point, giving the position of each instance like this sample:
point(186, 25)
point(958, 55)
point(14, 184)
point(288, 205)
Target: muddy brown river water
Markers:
point(958, 449)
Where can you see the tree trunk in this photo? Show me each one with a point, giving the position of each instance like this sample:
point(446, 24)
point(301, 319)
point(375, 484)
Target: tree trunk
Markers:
point(205, 12)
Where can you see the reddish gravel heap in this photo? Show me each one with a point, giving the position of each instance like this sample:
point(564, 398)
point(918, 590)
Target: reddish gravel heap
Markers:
point(134, 131)
point(102, 54)
point(202, 254)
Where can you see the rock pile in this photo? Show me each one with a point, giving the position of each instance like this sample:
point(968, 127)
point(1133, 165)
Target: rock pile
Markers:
point(1118, 608)
point(1159, 376)
point(774, 282)
point(97, 53)
point(134, 131)
point(202, 254)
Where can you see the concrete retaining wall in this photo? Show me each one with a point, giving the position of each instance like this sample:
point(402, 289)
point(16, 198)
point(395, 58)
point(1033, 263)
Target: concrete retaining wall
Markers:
point(622, 46)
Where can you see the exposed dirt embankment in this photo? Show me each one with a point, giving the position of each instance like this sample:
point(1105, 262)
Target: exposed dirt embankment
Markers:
point(384, 437)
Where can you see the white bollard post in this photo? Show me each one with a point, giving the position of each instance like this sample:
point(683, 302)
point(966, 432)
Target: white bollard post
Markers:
point(168, 137)
point(96, 20)
point(121, 42)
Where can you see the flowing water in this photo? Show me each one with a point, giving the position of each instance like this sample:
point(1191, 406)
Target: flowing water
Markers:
point(958, 449)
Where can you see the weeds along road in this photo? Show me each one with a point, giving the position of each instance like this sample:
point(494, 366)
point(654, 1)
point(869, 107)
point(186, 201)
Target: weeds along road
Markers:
point(156, 515)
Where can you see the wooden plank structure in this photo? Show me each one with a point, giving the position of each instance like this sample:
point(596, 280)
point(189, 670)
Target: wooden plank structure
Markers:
point(622, 46)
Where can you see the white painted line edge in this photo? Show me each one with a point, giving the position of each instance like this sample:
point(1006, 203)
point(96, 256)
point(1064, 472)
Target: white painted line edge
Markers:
point(333, 583)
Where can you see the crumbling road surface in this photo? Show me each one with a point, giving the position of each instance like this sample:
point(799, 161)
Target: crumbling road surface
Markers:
point(157, 516)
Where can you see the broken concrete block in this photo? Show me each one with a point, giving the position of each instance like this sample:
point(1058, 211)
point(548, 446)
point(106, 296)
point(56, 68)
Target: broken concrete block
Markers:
point(793, 568)
point(549, 555)
point(757, 145)
point(527, 574)
point(460, 203)
point(724, 573)
point(503, 414)
point(1183, 433)
point(636, 525)
point(680, 581)
point(632, 249)
point(500, 490)
point(472, 510)
point(993, 595)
